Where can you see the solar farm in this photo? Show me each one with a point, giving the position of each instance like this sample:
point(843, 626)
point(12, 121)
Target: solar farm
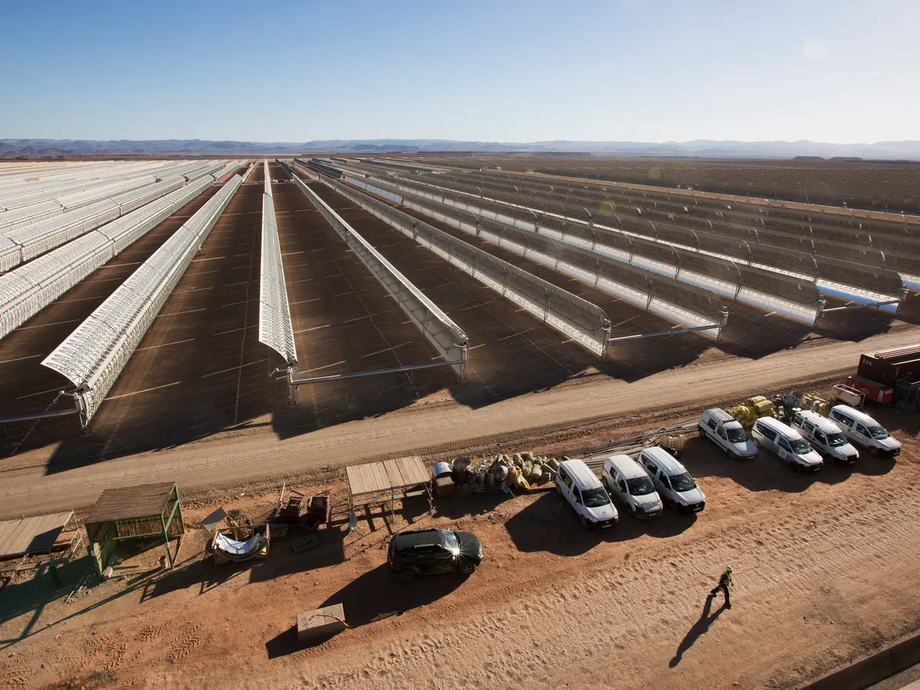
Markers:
point(148, 304)
point(380, 338)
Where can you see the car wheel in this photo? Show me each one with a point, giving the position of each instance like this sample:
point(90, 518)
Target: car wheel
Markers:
point(406, 575)
point(583, 521)
point(672, 505)
point(795, 466)
point(731, 455)
point(873, 450)
point(701, 432)
point(468, 568)
point(605, 484)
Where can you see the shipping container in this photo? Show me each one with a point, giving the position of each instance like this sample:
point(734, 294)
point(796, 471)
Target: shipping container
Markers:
point(889, 365)
point(875, 391)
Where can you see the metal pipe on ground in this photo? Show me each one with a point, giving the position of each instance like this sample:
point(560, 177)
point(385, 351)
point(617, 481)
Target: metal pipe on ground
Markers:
point(34, 416)
point(377, 372)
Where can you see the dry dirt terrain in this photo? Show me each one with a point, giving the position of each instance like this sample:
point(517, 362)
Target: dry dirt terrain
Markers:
point(824, 573)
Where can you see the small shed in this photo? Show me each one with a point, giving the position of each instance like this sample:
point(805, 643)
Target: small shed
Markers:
point(384, 482)
point(135, 512)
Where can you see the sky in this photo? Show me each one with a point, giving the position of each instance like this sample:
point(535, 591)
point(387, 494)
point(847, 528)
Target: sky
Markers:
point(842, 71)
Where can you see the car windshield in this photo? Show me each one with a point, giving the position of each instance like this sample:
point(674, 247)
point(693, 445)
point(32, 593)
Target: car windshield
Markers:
point(640, 486)
point(451, 541)
point(595, 498)
point(736, 435)
point(878, 432)
point(683, 482)
point(801, 446)
point(835, 440)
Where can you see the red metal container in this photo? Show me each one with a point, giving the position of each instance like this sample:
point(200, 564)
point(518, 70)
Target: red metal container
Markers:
point(889, 365)
point(875, 391)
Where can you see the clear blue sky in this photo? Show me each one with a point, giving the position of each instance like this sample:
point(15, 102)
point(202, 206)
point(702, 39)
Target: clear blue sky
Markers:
point(837, 70)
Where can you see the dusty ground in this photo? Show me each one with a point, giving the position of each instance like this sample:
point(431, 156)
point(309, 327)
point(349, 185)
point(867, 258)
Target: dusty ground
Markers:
point(825, 572)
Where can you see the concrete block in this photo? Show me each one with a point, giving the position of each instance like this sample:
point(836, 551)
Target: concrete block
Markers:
point(325, 621)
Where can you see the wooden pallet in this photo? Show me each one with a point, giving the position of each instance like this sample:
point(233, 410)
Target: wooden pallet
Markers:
point(304, 543)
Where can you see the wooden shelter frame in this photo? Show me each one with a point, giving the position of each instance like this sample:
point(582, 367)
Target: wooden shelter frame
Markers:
point(103, 534)
point(381, 483)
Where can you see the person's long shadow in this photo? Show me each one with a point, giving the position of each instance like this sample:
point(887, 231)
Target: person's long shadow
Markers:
point(699, 628)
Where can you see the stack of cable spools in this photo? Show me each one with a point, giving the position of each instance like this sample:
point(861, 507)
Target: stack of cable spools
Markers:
point(517, 472)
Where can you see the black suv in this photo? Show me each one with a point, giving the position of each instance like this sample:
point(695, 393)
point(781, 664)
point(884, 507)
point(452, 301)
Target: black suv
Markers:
point(431, 551)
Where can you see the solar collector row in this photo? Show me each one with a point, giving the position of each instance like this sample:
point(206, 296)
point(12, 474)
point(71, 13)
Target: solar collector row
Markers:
point(23, 244)
point(447, 338)
point(897, 246)
point(826, 222)
point(65, 191)
point(643, 288)
point(866, 284)
point(65, 203)
point(94, 355)
point(275, 328)
point(29, 289)
point(684, 305)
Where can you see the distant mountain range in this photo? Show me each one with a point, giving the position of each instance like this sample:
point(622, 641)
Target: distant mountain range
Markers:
point(700, 148)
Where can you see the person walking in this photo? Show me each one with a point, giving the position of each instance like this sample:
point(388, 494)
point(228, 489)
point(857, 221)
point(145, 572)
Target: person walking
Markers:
point(725, 581)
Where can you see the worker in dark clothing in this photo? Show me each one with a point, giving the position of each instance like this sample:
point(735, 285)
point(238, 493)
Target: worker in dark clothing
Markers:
point(725, 581)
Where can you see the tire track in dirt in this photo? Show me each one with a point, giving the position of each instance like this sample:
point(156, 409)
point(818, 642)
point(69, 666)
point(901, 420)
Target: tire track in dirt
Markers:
point(187, 642)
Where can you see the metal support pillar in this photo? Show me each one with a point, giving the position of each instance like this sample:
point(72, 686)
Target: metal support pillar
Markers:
point(292, 389)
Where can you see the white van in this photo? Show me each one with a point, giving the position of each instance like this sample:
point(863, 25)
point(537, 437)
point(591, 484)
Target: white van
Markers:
point(825, 436)
point(864, 431)
point(583, 490)
point(674, 484)
point(727, 433)
point(787, 443)
point(626, 479)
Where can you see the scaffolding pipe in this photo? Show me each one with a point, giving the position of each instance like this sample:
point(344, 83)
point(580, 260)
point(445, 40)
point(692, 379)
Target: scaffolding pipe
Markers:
point(871, 305)
point(375, 372)
point(675, 331)
point(658, 333)
point(37, 415)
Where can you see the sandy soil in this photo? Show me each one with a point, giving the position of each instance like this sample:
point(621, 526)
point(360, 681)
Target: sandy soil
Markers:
point(824, 570)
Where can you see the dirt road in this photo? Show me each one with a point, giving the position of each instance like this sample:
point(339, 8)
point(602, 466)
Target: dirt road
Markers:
point(433, 425)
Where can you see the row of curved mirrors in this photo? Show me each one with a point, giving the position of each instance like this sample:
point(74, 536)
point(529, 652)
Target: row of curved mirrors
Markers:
point(79, 240)
point(654, 252)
